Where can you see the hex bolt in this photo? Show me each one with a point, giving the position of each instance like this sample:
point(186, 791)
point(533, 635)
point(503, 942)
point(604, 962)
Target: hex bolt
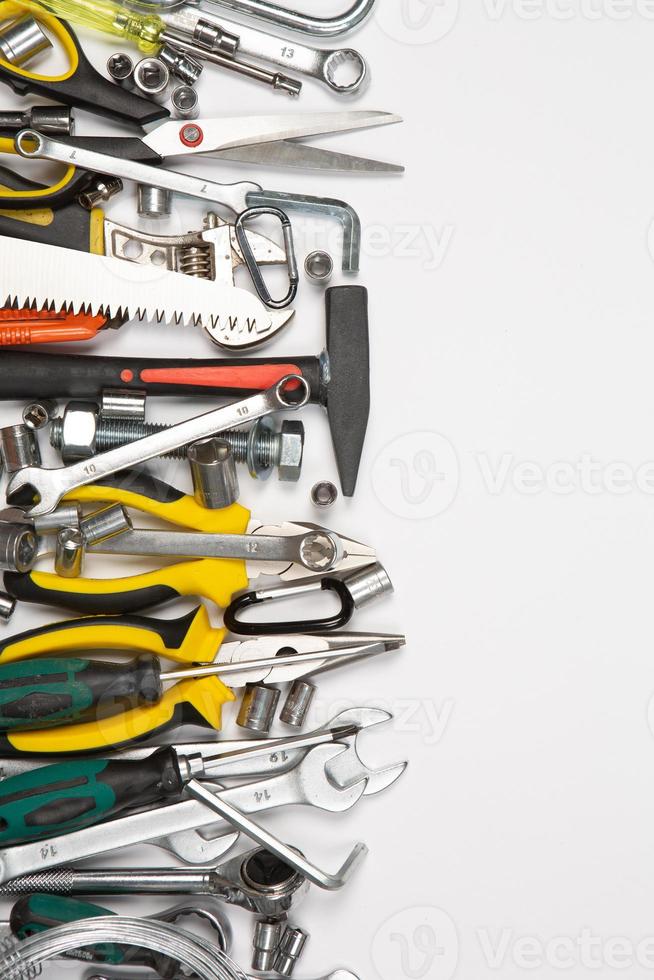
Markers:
point(81, 433)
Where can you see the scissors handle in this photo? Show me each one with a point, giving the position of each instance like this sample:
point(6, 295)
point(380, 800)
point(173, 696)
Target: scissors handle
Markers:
point(81, 85)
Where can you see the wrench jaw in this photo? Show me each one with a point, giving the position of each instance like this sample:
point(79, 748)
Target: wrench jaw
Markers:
point(28, 491)
point(347, 768)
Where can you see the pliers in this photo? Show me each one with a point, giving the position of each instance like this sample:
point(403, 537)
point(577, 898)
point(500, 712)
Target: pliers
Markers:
point(188, 639)
point(217, 579)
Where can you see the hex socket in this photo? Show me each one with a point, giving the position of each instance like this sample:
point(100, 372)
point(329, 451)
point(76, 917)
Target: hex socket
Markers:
point(69, 552)
point(19, 448)
point(19, 547)
point(213, 470)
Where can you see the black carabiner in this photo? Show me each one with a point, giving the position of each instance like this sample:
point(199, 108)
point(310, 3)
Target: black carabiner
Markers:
point(254, 598)
point(252, 264)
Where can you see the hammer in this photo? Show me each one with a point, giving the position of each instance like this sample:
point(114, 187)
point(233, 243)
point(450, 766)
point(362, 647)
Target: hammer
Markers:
point(338, 378)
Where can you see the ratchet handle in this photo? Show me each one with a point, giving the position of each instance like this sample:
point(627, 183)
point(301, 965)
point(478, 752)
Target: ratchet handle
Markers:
point(47, 692)
point(216, 579)
point(60, 798)
point(186, 639)
point(26, 374)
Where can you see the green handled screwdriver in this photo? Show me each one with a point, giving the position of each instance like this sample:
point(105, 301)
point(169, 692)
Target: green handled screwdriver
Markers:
point(60, 798)
point(45, 692)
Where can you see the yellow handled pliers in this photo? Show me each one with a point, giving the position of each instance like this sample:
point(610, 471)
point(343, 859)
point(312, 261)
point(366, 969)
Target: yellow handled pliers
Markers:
point(217, 579)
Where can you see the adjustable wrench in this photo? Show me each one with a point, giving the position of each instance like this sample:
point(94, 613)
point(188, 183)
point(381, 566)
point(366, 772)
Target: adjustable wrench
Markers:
point(48, 486)
point(306, 784)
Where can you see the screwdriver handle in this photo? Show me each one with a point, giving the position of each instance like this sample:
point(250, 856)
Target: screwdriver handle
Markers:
point(58, 799)
point(46, 692)
point(187, 639)
point(111, 18)
point(37, 913)
point(216, 579)
point(191, 702)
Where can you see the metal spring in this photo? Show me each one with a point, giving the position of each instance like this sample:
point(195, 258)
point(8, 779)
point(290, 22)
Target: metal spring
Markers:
point(195, 260)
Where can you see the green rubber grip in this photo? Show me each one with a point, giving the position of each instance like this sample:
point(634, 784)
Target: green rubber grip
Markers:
point(37, 913)
point(46, 692)
point(60, 798)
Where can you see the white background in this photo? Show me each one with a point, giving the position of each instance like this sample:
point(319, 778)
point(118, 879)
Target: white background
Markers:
point(505, 484)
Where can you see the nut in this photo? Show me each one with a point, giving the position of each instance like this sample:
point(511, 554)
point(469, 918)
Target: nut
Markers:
point(291, 449)
point(78, 431)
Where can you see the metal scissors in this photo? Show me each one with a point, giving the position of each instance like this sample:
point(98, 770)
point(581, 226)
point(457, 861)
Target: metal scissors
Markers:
point(271, 140)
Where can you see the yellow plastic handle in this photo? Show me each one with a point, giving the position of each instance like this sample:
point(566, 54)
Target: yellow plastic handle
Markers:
point(200, 643)
point(7, 193)
point(11, 9)
point(216, 579)
point(184, 512)
point(111, 18)
point(205, 696)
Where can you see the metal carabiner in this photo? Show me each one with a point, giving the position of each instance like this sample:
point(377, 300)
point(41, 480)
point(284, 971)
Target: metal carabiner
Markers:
point(252, 264)
point(295, 20)
point(354, 590)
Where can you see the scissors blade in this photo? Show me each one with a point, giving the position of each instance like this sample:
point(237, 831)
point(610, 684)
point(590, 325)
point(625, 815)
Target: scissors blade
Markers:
point(287, 153)
point(171, 139)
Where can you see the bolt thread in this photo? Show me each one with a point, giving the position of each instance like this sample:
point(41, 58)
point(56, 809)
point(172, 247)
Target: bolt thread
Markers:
point(112, 433)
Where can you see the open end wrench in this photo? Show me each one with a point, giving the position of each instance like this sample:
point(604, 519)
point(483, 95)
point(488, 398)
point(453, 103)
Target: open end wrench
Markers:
point(49, 486)
point(307, 784)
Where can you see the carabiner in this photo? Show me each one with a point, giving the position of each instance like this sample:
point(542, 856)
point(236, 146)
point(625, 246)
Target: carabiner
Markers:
point(252, 264)
point(354, 589)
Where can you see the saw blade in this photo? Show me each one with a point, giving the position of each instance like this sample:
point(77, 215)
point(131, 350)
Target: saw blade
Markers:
point(48, 276)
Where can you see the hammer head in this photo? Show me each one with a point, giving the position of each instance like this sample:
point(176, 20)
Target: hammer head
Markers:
point(348, 390)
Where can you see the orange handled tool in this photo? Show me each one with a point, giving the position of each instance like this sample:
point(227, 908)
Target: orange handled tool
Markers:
point(20, 327)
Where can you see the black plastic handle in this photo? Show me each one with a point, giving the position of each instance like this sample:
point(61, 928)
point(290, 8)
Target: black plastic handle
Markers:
point(248, 599)
point(87, 89)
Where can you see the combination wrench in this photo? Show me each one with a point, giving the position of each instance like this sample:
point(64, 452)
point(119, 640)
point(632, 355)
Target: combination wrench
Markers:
point(48, 486)
point(307, 784)
point(324, 65)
